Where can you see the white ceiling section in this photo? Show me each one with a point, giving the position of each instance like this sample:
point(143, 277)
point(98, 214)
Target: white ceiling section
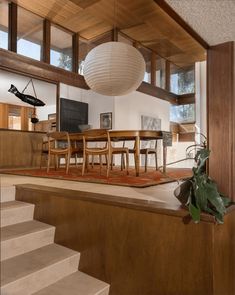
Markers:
point(213, 20)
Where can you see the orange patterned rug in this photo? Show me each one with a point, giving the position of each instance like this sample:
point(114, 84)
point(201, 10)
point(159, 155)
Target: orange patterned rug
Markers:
point(117, 177)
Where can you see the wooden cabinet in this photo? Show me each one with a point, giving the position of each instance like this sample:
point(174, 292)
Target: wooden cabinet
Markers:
point(15, 117)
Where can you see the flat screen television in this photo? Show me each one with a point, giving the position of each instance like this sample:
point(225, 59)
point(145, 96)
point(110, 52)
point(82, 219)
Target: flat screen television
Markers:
point(72, 115)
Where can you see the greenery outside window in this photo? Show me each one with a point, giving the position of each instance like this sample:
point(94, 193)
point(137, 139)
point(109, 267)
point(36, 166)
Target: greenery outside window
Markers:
point(182, 80)
point(61, 48)
point(182, 113)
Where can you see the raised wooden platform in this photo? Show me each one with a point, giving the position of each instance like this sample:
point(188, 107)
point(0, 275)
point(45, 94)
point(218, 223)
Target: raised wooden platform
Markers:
point(139, 247)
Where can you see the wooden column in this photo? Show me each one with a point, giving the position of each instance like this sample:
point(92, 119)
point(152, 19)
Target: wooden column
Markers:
point(46, 41)
point(153, 68)
point(115, 34)
point(221, 116)
point(168, 76)
point(75, 56)
point(12, 24)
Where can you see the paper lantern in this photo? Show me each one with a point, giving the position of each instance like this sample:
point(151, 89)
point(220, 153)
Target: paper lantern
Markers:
point(114, 68)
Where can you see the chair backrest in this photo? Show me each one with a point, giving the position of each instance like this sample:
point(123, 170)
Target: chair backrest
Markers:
point(95, 135)
point(58, 136)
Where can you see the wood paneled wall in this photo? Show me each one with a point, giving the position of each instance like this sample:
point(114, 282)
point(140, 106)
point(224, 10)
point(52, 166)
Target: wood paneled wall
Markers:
point(140, 248)
point(221, 116)
point(20, 149)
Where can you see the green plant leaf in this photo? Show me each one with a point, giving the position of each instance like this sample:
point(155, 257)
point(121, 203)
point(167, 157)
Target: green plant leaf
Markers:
point(194, 212)
point(214, 197)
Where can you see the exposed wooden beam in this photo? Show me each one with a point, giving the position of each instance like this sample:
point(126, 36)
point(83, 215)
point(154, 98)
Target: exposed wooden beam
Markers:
point(19, 64)
point(188, 98)
point(12, 24)
point(75, 56)
point(158, 92)
point(39, 70)
point(168, 9)
point(46, 40)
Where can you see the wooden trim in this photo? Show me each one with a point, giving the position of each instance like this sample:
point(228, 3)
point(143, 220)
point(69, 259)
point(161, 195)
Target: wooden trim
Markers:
point(46, 40)
point(188, 98)
point(19, 64)
point(158, 92)
point(75, 55)
point(12, 24)
point(153, 68)
point(221, 116)
point(115, 34)
point(58, 107)
point(168, 75)
point(168, 9)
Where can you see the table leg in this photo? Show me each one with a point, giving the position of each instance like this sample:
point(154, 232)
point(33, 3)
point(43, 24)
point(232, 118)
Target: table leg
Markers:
point(137, 155)
point(164, 158)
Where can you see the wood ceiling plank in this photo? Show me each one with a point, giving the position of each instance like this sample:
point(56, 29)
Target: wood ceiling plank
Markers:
point(142, 20)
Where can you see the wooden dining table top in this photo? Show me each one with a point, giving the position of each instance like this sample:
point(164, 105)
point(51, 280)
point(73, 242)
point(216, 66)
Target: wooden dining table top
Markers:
point(119, 135)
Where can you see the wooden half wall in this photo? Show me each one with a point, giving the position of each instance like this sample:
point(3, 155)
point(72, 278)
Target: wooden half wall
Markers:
point(221, 116)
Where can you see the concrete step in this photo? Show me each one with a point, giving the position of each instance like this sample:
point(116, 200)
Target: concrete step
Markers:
point(30, 272)
point(13, 212)
point(7, 193)
point(23, 237)
point(76, 284)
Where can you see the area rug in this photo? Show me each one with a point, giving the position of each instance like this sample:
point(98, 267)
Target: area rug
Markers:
point(117, 177)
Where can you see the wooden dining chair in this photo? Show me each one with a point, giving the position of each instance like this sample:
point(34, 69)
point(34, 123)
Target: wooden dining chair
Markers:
point(57, 150)
point(148, 150)
point(44, 150)
point(96, 135)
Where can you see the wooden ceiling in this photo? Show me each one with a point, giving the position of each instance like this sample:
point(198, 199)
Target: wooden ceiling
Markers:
point(142, 20)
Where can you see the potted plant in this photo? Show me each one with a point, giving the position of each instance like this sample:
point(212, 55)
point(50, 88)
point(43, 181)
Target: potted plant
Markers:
point(199, 193)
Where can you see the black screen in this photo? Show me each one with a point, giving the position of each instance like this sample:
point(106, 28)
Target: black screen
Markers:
point(72, 114)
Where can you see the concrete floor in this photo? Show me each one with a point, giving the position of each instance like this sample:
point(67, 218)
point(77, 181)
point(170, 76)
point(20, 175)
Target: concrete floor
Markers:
point(159, 193)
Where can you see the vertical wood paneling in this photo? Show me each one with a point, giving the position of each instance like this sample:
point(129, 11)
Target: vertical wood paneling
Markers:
point(221, 116)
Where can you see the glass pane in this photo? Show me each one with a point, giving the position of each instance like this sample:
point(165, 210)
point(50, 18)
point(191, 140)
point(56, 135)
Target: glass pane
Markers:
point(147, 57)
point(182, 80)
point(182, 113)
point(4, 24)
point(85, 46)
point(160, 72)
point(61, 48)
point(30, 34)
point(14, 117)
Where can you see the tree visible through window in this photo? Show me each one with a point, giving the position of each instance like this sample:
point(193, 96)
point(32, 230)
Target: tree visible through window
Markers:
point(182, 113)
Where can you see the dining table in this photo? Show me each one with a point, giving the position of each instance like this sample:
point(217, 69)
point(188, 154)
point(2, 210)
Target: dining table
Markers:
point(136, 136)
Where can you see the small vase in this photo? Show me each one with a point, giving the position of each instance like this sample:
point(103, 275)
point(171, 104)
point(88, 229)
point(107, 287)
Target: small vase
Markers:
point(182, 192)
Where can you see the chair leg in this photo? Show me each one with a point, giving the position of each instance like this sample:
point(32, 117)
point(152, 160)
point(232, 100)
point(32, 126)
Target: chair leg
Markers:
point(48, 163)
point(156, 161)
point(67, 162)
point(83, 164)
point(92, 161)
point(111, 161)
point(76, 160)
point(122, 161)
point(108, 164)
point(146, 162)
point(127, 163)
point(41, 161)
point(56, 162)
point(101, 163)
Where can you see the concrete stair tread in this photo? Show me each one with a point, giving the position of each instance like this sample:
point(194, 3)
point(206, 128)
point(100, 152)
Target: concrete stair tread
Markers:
point(77, 283)
point(23, 265)
point(13, 205)
point(20, 229)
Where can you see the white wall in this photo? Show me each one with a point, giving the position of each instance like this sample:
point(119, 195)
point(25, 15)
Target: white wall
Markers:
point(130, 107)
point(97, 103)
point(45, 92)
point(201, 110)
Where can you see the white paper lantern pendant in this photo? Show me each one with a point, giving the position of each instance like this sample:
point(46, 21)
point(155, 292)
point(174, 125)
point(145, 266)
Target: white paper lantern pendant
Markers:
point(114, 68)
